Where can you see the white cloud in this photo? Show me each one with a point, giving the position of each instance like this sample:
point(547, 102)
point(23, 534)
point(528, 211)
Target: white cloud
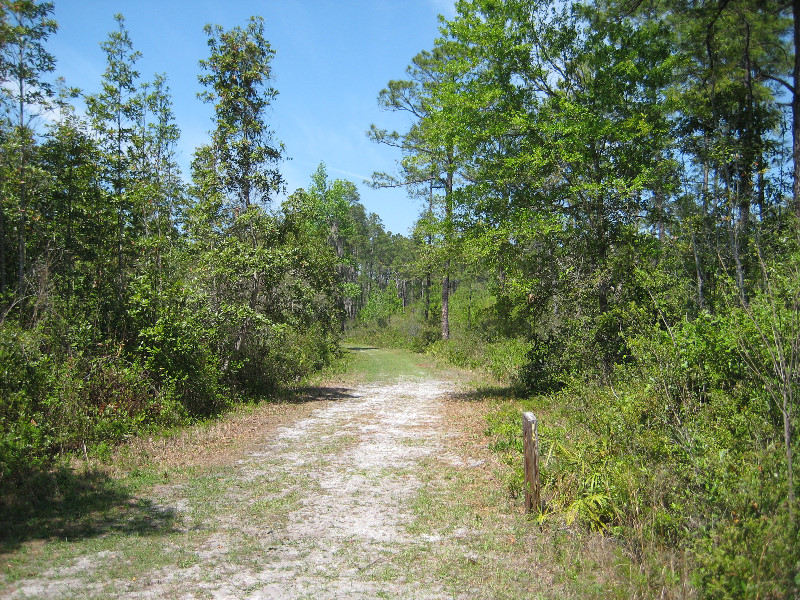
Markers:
point(349, 174)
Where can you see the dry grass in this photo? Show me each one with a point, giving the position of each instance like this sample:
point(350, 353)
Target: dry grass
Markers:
point(212, 444)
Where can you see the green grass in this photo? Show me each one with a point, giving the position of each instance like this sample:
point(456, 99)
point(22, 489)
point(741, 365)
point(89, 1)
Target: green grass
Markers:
point(112, 534)
point(469, 529)
point(373, 365)
point(368, 364)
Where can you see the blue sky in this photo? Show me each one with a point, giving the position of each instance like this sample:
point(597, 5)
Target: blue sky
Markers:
point(333, 58)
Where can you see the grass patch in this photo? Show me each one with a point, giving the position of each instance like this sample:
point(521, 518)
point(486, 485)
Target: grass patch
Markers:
point(604, 479)
point(108, 526)
point(385, 365)
point(372, 365)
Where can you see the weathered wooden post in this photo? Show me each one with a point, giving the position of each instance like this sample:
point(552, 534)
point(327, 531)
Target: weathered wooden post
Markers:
point(530, 448)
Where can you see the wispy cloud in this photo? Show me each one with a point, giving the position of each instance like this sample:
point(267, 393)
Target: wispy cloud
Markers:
point(348, 173)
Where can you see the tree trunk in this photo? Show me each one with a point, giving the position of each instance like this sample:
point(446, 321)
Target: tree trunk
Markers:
point(23, 185)
point(427, 288)
point(699, 272)
point(68, 242)
point(22, 226)
point(659, 201)
point(118, 192)
point(448, 225)
point(426, 292)
point(742, 233)
point(446, 301)
point(698, 263)
point(2, 252)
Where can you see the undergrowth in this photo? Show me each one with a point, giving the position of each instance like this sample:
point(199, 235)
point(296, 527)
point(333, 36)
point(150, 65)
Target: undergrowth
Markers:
point(707, 486)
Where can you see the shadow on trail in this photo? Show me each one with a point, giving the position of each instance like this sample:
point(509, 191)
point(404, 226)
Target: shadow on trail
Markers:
point(300, 395)
point(360, 348)
point(66, 504)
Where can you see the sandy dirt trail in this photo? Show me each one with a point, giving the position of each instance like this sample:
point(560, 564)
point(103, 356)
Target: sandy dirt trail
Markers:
point(343, 500)
point(360, 455)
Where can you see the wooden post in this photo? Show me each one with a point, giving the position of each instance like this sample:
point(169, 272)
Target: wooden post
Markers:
point(530, 443)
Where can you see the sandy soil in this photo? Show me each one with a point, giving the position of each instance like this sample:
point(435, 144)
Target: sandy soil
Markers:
point(360, 455)
point(316, 507)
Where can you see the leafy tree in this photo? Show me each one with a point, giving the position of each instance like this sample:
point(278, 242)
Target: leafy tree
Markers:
point(77, 214)
point(238, 72)
point(158, 191)
point(567, 132)
point(326, 210)
point(24, 62)
point(114, 112)
point(431, 159)
point(265, 295)
point(728, 117)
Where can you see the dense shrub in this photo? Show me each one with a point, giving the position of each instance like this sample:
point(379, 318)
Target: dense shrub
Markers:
point(23, 383)
point(379, 308)
point(53, 405)
point(678, 451)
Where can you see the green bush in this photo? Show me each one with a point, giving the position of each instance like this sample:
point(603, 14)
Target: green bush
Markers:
point(396, 329)
point(187, 372)
point(51, 405)
point(24, 369)
point(103, 399)
point(751, 553)
point(543, 370)
point(678, 450)
point(506, 358)
point(462, 350)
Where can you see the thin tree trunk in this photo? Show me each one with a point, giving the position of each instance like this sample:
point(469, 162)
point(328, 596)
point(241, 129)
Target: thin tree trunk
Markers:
point(448, 224)
point(699, 271)
point(446, 301)
point(22, 242)
point(742, 232)
point(427, 288)
point(659, 199)
point(118, 192)
point(2, 253)
point(698, 264)
point(426, 292)
point(68, 244)
point(23, 185)
point(787, 438)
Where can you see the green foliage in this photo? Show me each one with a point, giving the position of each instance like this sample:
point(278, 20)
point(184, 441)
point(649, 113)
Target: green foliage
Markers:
point(607, 225)
point(667, 457)
point(24, 379)
point(98, 400)
point(237, 75)
point(544, 367)
point(56, 404)
point(381, 306)
point(138, 303)
point(750, 554)
point(185, 367)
